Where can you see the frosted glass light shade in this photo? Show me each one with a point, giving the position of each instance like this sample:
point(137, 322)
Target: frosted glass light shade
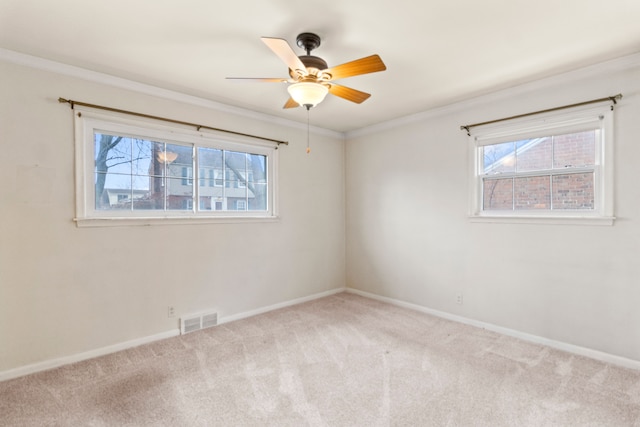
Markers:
point(166, 156)
point(308, 93)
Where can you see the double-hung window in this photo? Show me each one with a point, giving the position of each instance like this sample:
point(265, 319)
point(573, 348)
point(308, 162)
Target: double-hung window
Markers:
point(132, 171)
point(553, 168)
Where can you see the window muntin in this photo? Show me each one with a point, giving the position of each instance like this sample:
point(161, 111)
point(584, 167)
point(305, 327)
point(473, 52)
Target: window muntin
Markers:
point(558, 166)
point(132, 169)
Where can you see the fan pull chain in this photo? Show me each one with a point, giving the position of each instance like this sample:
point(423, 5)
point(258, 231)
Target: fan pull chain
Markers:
point(308, 148)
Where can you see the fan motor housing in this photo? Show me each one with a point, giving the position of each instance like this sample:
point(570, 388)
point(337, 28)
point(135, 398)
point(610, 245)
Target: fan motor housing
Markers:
point(311, 61)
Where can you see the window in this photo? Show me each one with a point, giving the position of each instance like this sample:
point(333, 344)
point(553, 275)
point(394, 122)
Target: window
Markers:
point(555, 167)
point(133, 170)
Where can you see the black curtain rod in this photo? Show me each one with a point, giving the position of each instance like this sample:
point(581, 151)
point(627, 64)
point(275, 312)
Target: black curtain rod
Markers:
point(73, 103)
point(613, 99)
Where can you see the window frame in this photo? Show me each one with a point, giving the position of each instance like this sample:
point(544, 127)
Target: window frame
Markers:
point(548, 124)
point(88, 120)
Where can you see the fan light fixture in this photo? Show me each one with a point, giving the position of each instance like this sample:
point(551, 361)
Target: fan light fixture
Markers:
point(308, 94)
point(310, 76)
point(167, 157)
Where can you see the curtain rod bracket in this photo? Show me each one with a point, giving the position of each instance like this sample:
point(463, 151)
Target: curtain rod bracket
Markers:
point(614, 99)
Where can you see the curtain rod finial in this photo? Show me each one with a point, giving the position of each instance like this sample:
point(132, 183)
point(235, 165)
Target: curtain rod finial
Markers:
point(68, 101)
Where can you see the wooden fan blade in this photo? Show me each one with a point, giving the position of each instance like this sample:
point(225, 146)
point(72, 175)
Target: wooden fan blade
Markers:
point(282, 48)
point(268, 79)
point(369, 64)
point(291, 104)
point(349, 94)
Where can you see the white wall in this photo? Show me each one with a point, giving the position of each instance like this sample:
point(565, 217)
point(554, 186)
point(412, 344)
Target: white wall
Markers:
point(409, 238)
point(66, 290)
point(407, 233)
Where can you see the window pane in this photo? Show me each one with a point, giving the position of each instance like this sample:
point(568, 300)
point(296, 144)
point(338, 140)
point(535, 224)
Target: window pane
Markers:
point(210, 190)
point(183, 160)
point(112, 153)
point(156, 187)
point(534, 154)
point(179, 196)
point(140, 182)
point(210, 158)
point(498, 194)
point(112, 191)
point(532, 192)
point(236, 159)
point(257, 197)
point(206, 203)
point(257, 168)
point(235, 168)
point(498, 158)
point(161, 157)
point(146, 201)
point(573, 191)
point(575, 149)
point(141, 152)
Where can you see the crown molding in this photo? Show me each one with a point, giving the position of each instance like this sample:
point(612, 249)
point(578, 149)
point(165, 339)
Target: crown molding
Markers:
point(619, 64)
point(30, 61)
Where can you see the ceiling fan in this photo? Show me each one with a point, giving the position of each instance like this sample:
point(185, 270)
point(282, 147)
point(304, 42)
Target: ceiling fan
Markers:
point(310, 77)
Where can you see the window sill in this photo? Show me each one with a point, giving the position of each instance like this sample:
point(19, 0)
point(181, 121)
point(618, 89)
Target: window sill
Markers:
point(149, 221)
point(550, 220)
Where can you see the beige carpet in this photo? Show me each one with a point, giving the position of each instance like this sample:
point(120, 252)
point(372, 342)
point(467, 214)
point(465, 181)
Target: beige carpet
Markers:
point(343, 360)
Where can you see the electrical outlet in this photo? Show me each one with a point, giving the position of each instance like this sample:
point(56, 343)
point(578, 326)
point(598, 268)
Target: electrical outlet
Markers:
point(459, 298)
point(170, 311)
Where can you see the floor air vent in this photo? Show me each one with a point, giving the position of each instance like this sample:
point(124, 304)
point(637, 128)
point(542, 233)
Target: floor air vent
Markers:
point(195, 322)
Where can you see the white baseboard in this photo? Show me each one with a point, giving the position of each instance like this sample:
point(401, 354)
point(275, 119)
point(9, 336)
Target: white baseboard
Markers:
point(289, 303)
point(79, 357)
point(55, 363)
point(569, 348)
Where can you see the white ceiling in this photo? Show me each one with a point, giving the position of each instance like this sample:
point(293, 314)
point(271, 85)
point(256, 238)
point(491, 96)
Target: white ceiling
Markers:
point(436, 51)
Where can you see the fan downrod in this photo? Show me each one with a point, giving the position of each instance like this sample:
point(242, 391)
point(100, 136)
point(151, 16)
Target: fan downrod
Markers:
point(308, 41)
